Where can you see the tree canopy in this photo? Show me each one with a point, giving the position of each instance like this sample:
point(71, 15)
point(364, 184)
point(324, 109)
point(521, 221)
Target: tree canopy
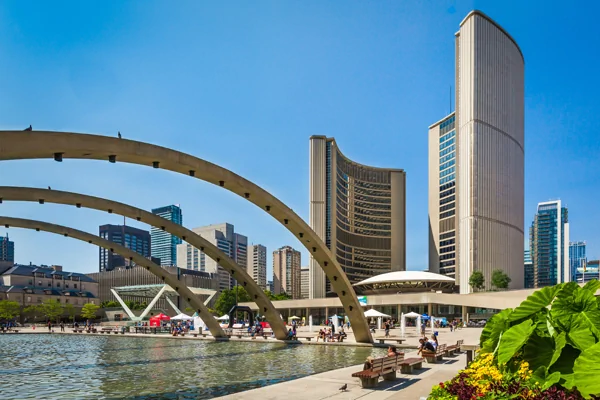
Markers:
point(89, 310)
point(477, 281)
point(51, 309)
point(227, 298)
point(280, 296)
point(500, 280)
point(9, 309)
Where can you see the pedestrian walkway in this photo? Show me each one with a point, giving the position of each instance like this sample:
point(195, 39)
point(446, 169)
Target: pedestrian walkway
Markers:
point(327, 385)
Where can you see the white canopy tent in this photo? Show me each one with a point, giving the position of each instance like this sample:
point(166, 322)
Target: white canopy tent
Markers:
point(182, 317)
point(223, 318)
point(411, 315)
point(372, 313)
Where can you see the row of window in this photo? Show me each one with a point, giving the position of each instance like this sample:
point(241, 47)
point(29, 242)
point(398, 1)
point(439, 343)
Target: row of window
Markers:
point(447, 200)
point(448, 235)
point(447, 179)
point(447, 144)
point(448, 192)
point(446, 256)
point(447, 172)
point(448, 249)
point(447, 157)
point(446, 136)
point(447, 214)
point(447, 207)
point(447, 164)
point(447, 150)
point(447, 242)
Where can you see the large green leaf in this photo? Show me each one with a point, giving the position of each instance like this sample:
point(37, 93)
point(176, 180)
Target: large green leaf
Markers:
point(492, 330)
point(564, 365)
point(566, 309)
point(559, 343)
point(538, 351)
point(535, 302)
point(587, 370)
point(592, 286)
point(580, 332)
point(513, 339)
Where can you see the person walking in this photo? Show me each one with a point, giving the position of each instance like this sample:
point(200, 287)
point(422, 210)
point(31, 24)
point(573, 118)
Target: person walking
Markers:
point(387, 328)
point(62, 326)
point(49, 326)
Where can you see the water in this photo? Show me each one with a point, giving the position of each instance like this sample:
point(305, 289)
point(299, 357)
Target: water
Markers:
point(76, 367)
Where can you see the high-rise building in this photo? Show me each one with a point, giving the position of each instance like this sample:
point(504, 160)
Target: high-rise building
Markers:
point(286, 272)
point(271, 286)
point(257, 264)
point(223, 237)
point(476, 160)
point(358, 211)
point(587, 271)
point(7, 249)
point(577, 258)
point(549, 244)
point(135, 239)
point(528, 264)
point(164, 245)
point(304, 283)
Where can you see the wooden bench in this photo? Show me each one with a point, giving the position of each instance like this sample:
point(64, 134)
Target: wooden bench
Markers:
point(454, 348)
point(382, 340)
point(408, 364)
point(384, 367)
point(308, 338)
point(432, 357)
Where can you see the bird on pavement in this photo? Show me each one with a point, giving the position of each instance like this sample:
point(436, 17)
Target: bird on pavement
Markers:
point(49, 188)
point(28, 129)
point(119, 134)
point(344, 388)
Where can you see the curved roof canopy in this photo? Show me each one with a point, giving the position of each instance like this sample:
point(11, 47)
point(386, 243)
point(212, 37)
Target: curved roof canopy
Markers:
point(413, 281)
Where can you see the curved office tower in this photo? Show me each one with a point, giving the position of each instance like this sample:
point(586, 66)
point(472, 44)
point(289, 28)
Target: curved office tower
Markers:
point(358, 211)
point(483, 228)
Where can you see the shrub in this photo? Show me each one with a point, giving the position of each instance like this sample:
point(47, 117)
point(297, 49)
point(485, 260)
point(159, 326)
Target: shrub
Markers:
point(546, 348)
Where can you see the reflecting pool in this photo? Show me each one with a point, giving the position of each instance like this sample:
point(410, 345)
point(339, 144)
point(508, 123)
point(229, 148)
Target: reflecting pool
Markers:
point(75, 367)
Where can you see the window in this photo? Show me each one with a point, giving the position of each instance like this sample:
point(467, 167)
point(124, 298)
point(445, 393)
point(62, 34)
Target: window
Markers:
point(75, 285)
point(49, 284)
point(58, 284)
point(67, 285)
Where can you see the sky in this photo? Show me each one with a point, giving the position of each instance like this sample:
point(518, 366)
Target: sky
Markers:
point(245, 84)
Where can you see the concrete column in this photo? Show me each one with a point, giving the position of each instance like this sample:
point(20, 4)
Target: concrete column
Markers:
point(326, 313)
point(429, 309)
point(465, 315)
point(307, 314)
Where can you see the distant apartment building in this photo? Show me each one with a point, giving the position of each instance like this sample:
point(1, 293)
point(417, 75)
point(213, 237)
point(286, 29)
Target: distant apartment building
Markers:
point(135, 239)
point(286, 272)
point(358, 211)
point(270, 287)
point(223, 237)
point(528, 264)
point(577, 257)
point(476, 160)
point(7, 249)
point(257, 264)
point(549, 244)
point(32, 285)
point(304, 282)
point(164, 245)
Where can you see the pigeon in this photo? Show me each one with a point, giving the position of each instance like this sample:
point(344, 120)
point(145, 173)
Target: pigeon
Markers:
point(49, 188)
point(119, 134)
point(28, 129)
point(344, 388)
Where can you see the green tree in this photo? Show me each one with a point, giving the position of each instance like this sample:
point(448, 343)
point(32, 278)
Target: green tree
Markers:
point(69, 309)
point(110, 304)
point(227, 299)
point(9, 309)
point(477, 281)
point(280, 296)
point(89, 310)
point(51, 309)
point(500, 280)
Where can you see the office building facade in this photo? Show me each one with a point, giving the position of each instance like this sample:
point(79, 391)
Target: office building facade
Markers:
point(286, 272)
point(7, 249)
point(549, 244)
point(587, 271)
point(528, 270)
point(476, 161)
point(164, 245)
point(135, 239)
point(577, 257)
point(304, 283)
point(257, 264)
point(224, 237)
point(358, 211)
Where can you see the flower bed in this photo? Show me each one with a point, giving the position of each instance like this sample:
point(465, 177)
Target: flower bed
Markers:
point(547, 348)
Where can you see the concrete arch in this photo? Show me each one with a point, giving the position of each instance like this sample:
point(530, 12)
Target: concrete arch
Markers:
point(192, 299)
point(8, 193)
point(18, 145)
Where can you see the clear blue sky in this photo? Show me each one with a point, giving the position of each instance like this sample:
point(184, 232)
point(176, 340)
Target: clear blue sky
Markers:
point(245, 85)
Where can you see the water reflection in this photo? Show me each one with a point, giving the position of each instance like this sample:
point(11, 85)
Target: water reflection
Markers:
point(75, 367)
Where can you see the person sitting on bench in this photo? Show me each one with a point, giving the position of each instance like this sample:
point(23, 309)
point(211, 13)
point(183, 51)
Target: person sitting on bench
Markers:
point(291, 335)
point(425, 346)
point(392, 351)
point(368, 364)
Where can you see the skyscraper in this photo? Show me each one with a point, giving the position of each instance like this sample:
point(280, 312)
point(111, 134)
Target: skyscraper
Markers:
point(549, 244)
point(286, 272)
point(577, 258)
point(257, 264)
point(528, 264)
point(164, 245)
point(7, 249)
point(135, 239)
point(304, 282)
point(476, 160)
point(224, 238)
point(358, 211)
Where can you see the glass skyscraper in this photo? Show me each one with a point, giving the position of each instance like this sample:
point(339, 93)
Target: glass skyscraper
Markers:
point(7, 249)
point(164, 245)
point(549, 244)
point(577, 258)
point(528, 264)
point(135, 239)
